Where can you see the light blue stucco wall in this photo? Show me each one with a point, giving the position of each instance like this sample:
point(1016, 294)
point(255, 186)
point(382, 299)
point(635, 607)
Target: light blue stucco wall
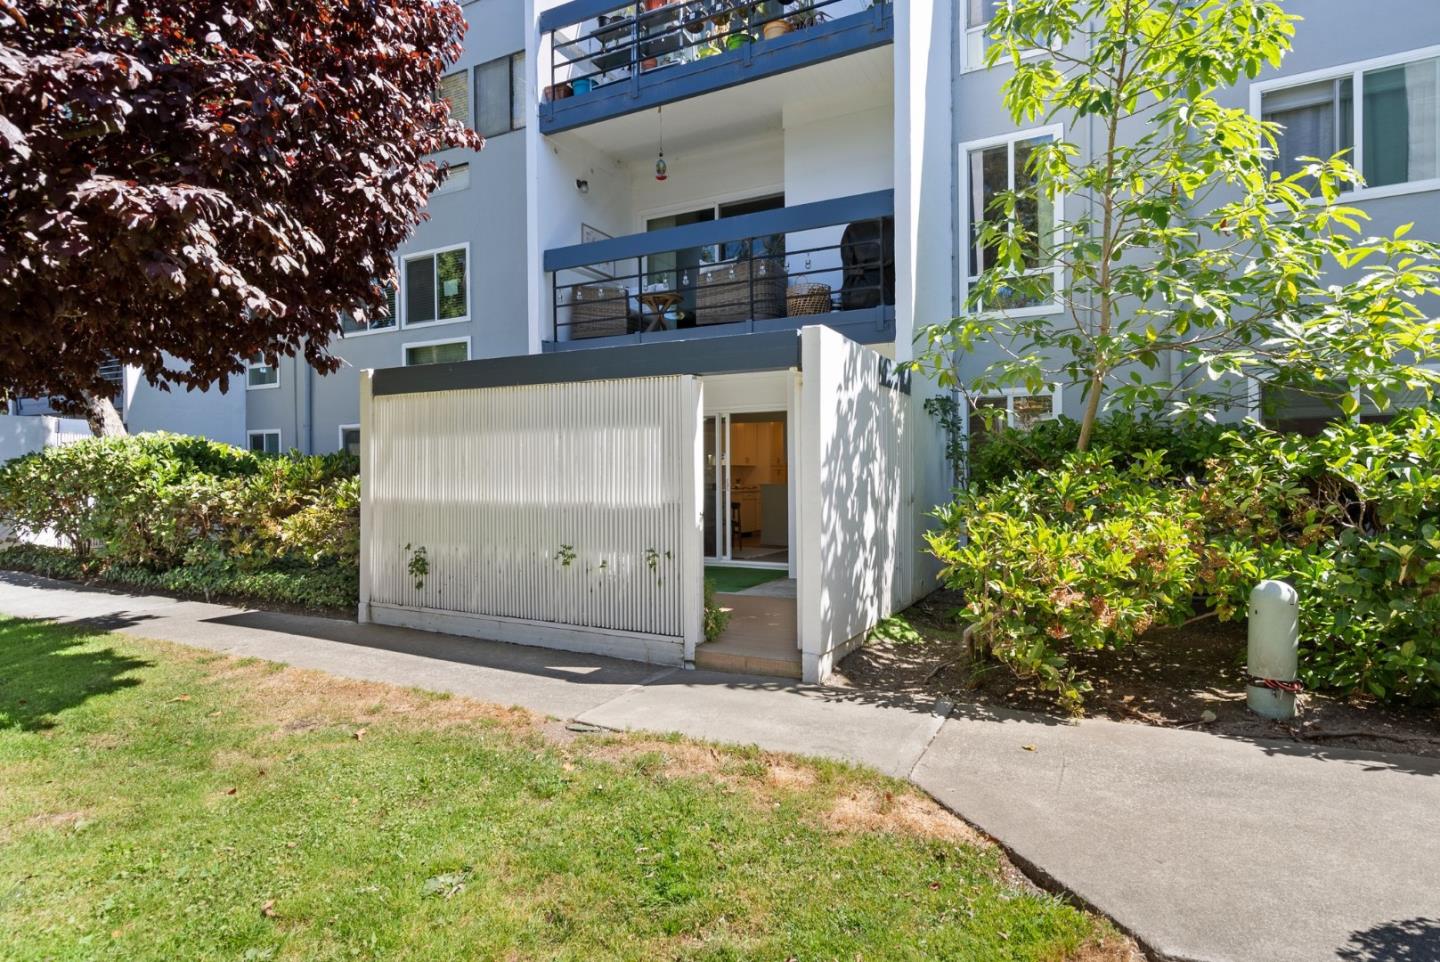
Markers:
point(1333, 33)
point(489, 215)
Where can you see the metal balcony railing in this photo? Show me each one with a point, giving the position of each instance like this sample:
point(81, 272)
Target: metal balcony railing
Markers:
point(608, 58)
point(829, 262)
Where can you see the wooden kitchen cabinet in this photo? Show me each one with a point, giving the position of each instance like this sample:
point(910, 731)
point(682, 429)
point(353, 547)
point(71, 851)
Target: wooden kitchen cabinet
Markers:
point(749, 499)
point(744, 444)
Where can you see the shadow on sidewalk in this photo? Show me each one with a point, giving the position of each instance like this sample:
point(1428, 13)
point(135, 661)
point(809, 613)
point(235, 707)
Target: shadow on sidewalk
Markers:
point(1405, 940)
point(575, 667)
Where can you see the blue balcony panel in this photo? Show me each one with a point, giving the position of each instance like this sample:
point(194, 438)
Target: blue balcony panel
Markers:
point(644, 90)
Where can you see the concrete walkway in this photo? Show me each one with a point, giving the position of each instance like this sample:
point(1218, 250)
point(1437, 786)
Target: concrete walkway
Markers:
point(1206, 848)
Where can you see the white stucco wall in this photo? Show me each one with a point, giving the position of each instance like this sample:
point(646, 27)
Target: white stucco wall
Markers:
point(852, 492)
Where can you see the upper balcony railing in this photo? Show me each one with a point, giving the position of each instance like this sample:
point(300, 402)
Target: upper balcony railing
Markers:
point(830, 262)
point(609, 59)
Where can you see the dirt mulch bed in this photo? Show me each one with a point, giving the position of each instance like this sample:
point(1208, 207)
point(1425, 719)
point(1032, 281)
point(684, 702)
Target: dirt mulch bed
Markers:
point(1191, 677)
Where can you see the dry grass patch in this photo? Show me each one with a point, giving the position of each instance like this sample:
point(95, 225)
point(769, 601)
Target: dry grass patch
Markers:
point(1108, 949)
point(870, 809)
point(299, 699)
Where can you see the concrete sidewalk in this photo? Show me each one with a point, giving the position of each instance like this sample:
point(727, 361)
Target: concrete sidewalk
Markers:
point(1206, 848)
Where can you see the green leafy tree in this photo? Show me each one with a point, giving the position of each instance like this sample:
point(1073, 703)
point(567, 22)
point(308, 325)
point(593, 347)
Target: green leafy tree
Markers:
point(1181, 256)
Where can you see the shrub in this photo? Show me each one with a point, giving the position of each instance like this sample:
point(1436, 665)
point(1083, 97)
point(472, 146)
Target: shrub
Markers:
point(717, 619)
point(198, 515)
point(322, 588)
point(1008, 451)
point(1352, 519)
point(1094, 551)
point(1082, 556)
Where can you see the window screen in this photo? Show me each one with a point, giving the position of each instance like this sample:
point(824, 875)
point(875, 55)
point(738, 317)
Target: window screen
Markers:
point(455, 88)
point(494, 110)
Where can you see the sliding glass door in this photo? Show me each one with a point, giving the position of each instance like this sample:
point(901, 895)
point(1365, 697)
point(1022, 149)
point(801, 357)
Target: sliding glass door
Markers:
point(747, 489)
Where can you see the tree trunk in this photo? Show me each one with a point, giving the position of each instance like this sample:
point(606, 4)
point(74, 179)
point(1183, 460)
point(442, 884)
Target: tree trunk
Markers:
point(1092, 411)
point(102, 417)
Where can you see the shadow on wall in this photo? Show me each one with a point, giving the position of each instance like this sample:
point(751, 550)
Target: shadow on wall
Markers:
point(45, 671)
point(1405, 940)
point(861, 495)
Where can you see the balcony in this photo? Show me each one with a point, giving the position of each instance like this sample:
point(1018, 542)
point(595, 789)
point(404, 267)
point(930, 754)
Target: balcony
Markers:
point(830, 262)
point(609, 59)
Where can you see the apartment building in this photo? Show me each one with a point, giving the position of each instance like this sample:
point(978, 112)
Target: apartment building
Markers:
point(654, 326)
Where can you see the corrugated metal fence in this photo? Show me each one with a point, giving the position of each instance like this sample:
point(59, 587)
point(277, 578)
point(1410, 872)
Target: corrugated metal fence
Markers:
point(538, 510)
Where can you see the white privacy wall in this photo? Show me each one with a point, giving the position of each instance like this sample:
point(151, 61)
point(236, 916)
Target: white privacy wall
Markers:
point(561, 515)
point(853, 497)
point(22, 434)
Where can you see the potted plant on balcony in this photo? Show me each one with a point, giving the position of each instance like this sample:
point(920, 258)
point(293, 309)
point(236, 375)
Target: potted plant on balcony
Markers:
point(775, 23)
point(806, 16)
point(736, 36)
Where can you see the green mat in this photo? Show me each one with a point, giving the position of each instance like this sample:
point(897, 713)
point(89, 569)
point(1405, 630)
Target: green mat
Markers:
point(724, 578)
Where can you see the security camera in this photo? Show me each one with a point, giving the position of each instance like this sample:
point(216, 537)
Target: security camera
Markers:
point(583, 186)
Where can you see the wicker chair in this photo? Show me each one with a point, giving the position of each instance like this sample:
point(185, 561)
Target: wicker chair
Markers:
point(599, 310)
point(724, 293)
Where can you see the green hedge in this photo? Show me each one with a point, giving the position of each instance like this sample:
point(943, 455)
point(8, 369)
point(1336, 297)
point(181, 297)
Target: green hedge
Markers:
point(322, 589)
point(188, 515)
point(1004, 453)
point(1098, 547)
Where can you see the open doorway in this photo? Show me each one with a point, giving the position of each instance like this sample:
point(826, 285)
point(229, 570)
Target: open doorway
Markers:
point(747, 489)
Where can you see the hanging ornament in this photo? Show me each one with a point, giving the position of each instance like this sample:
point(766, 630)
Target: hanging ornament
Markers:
point(662, 170)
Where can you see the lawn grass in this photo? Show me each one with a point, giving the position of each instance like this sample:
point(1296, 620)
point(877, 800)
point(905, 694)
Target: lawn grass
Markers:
point(166, 803)
point(725, 578)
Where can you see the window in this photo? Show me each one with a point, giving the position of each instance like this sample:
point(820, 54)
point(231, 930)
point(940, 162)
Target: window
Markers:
point(383, 322)
point(1402, 123)
point(1386, 112)
point(437, 352)
point(264, 442)
point(455, 177)
point(1309, 409)
point(1016, 408)
point(259, 375)
point(455, 88)
point(990, 169)
point(500, 95)
point(1318, 119)
point(435, 286)
point(114, 373)
point(978, 14)
point(350, 439)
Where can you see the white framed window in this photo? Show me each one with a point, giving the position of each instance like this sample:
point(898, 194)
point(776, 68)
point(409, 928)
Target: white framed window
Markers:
point(435, 352)
point(456, 177)
point(1014, 407)
point(975, 34)
point(991, 167)
point(260, 376)
point(500, 95)
point(350, 327)
point(349, 435)
point(1292, 409)
point(1386, 111)
point(455, 87)
point(264, 442)
point(434, 286)
point(978, 14)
